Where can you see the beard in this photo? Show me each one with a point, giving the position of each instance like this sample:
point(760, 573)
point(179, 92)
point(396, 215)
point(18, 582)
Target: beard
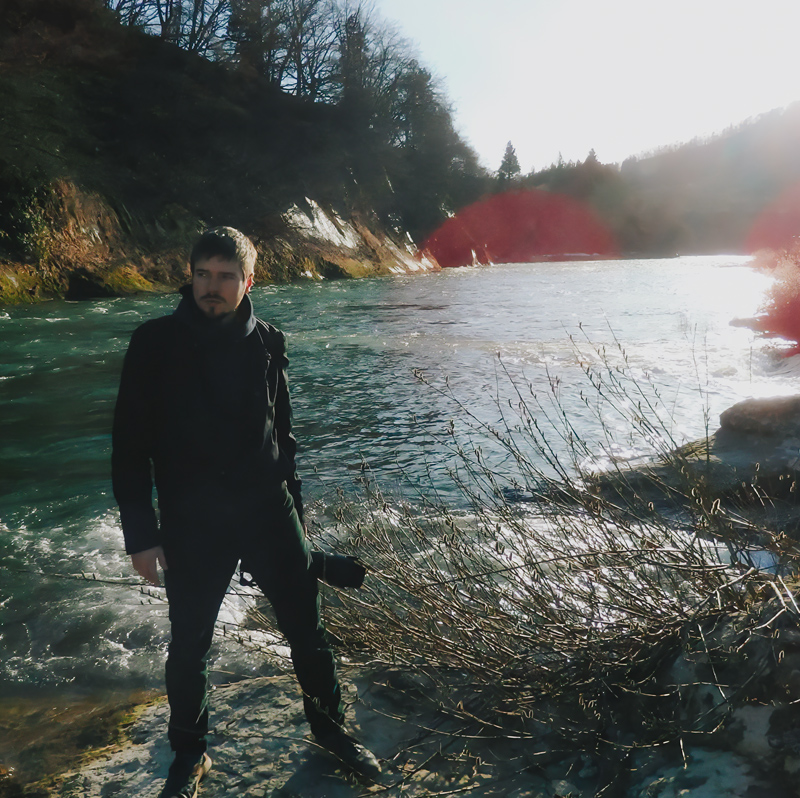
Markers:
point(214, 311)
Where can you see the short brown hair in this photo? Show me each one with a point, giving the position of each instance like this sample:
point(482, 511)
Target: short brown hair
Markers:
point(227, 243)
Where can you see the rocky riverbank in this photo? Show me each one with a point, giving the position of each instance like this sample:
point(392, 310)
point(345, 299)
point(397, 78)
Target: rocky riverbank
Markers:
point(88, 249)
point(713, 711)
point(117, 148)
point(750, 466)
point(746, 743)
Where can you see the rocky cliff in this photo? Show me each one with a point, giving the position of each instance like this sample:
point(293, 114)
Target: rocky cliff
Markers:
point(117, 148)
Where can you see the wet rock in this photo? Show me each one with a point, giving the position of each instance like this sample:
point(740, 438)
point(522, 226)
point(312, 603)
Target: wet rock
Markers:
point(784, 730)
point(589, 769)
point(755, 451)
point(752, 724)
point(778, 416)
point(540, 790)
point(83, 283)
point(709, 774)
point(725, 682)
point(565, 789)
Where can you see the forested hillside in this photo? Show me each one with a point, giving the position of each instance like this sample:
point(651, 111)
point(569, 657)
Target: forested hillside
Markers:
point(734, 192)
point(127, 125)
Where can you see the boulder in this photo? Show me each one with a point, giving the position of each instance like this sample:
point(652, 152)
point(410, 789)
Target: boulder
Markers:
point(754, 453)
point(776, 416)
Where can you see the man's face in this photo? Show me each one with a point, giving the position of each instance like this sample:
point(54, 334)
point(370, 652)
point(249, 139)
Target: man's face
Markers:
point(218, 286)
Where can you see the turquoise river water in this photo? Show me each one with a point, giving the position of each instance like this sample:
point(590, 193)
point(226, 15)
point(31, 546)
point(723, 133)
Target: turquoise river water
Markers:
point(355, 347)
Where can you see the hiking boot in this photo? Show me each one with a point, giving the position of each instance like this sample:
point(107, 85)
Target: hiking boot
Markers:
point(185, 774)
point(356, 758)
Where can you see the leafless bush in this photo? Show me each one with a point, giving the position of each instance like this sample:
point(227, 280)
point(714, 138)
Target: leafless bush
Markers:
point(545, 589)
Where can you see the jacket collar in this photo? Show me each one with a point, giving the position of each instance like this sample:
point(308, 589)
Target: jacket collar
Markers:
point(235, 329)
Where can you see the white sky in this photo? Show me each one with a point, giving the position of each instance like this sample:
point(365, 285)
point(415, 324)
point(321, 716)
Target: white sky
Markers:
point(619, 76)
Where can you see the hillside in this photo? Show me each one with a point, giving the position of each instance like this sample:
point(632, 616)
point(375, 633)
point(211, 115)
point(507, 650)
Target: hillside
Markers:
point(736, 192)
point(118, 144)
point(116, 147)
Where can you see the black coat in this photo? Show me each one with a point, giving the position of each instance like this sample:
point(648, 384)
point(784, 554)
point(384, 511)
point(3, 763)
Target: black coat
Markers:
point(204, 409)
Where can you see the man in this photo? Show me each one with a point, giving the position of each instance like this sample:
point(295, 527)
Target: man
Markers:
point(204, 402)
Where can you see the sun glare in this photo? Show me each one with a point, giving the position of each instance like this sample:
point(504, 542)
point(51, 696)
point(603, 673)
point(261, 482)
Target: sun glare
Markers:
point(739, 295)
point(620, 77)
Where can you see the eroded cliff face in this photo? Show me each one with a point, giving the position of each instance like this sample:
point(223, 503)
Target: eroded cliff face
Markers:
point(117, 149)
point(319, 244)
point(75, 245)
point(78, 245)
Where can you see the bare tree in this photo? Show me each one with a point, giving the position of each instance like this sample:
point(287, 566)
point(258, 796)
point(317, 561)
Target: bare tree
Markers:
point(169, 16)
point(311, 48)
point(203, 24)
point(192, 24)
point(140, 13)
point(372, 56)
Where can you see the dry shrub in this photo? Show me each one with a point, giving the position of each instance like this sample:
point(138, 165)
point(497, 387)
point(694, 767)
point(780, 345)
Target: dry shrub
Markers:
point(544, 598)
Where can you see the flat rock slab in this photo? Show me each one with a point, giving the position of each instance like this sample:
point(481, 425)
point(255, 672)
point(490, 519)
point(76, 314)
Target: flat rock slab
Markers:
point(261, 747)
point(261, 750)
point(755, 452)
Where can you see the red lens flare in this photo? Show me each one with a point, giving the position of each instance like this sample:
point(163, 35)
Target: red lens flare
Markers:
point(778, 224)
point(519, 227)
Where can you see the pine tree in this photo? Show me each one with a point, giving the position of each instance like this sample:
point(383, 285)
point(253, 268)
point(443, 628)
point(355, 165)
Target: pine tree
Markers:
point(509, 168)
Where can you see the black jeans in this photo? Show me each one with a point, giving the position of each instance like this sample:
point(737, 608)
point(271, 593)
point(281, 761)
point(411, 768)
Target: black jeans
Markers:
point(204, 541)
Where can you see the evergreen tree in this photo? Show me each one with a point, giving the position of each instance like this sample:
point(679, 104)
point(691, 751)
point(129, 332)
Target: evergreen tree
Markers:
point(311, 34)
point(509, 167)
point(354, 66)
point(432, 166)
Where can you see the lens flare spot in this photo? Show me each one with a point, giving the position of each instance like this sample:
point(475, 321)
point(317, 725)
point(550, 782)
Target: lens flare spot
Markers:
point(778, 224)
point(520, 227)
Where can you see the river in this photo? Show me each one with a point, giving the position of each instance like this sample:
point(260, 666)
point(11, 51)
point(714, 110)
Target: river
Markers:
point(356, 349)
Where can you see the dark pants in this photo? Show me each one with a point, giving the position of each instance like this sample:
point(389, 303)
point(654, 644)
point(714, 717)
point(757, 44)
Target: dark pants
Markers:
point(203, 546)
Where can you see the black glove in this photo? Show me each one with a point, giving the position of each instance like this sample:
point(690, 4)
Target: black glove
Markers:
point(338, 570)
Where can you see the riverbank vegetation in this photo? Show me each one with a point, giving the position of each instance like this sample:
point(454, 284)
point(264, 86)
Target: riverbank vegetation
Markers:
point(119, 139)
point(609, 618)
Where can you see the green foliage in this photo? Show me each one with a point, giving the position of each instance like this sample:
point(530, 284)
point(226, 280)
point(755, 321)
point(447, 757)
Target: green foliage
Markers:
point(24, 227)
point(125, 280)
point(509, 167)
point(18, 287)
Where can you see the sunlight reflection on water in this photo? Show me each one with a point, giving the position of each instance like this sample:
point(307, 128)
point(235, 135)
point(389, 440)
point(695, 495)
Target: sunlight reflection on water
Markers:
point(354, 347)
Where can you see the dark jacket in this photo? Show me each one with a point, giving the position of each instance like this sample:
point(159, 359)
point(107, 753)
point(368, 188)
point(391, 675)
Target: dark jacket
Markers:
point(203, 408)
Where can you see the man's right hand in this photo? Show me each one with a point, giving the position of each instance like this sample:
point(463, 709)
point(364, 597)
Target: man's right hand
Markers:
point(146, 564)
